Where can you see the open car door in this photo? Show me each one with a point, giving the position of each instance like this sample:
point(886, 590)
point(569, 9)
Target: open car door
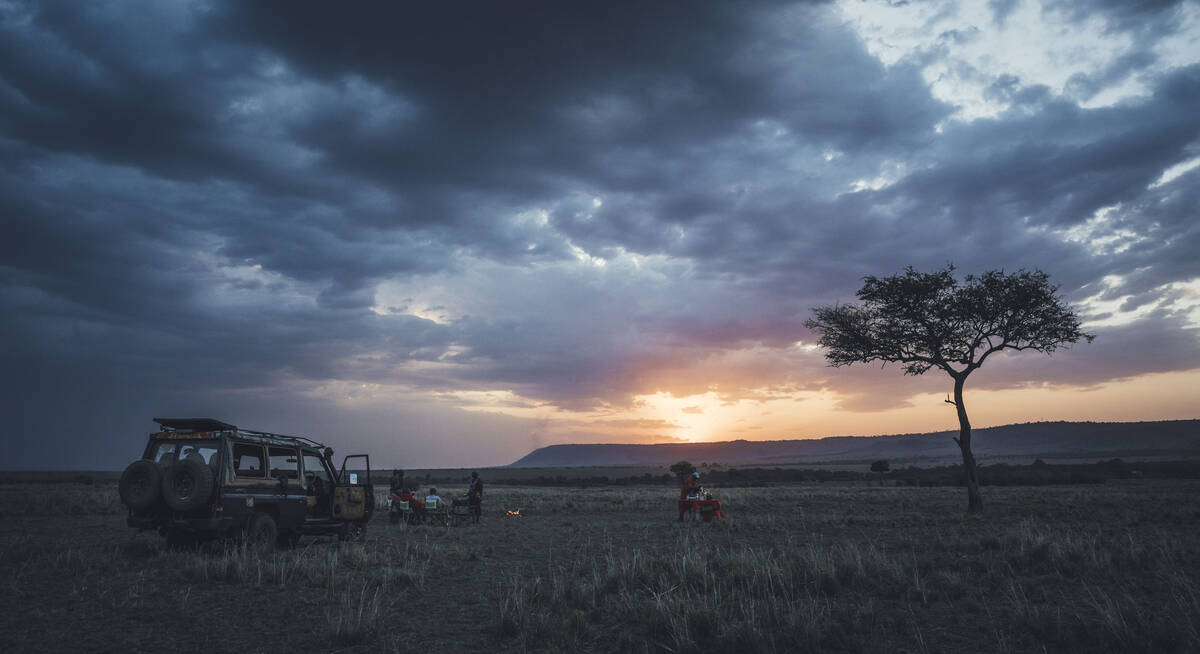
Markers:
point(354, 497)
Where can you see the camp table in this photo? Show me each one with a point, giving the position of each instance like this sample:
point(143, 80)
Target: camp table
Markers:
point(708, 509)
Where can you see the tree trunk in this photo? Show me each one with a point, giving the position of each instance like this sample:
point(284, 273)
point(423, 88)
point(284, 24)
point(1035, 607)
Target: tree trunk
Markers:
point(974, 500)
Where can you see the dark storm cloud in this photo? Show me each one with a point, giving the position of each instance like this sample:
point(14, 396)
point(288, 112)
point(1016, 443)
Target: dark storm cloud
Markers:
point(1085, 87)
point(76, 83)
point(1147, 17)
point(605, 199)
point(490, 84)
point(1055, 168)
point(1002, 8)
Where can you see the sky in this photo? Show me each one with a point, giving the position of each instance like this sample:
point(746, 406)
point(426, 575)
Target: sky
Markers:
point(449, 233)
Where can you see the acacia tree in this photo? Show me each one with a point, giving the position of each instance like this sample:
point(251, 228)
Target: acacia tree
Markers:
point(929, 320)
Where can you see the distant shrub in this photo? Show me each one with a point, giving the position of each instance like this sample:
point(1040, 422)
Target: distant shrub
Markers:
point(682, 469)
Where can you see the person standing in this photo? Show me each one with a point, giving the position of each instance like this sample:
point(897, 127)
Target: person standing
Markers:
point(475, 497)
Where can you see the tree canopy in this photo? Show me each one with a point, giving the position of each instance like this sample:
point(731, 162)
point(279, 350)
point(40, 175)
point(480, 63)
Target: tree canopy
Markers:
point(926, 320)
point(930, 320)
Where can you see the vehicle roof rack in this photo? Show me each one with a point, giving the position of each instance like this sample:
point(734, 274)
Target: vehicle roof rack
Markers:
point(209, 424)
point(194, 424)
point(267, 434)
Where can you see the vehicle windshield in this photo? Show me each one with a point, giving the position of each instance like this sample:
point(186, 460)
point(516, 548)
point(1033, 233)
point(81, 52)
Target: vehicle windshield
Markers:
point(314, 468)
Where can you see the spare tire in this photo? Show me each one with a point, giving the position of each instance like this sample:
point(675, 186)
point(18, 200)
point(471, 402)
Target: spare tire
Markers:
point(139, 485)
point(187, 485)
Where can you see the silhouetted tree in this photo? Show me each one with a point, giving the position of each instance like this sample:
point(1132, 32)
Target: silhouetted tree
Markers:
point(682, 469)
point(880, 466)
point(929, 320)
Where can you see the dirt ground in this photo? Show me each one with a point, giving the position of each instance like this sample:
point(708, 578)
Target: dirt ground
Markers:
point(865, 568)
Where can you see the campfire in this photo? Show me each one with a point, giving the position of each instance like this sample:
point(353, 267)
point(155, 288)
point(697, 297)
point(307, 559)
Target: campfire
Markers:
point(515, 514)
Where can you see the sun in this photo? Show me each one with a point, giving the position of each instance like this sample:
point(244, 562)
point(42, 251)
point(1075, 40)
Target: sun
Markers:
point(700, 418)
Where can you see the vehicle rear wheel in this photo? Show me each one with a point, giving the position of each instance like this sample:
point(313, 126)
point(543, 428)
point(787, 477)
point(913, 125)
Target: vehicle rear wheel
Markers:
point(140, 483)
point(261, 534)
point(187, 485)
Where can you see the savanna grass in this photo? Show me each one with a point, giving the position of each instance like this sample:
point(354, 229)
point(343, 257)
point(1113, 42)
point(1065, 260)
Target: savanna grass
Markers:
point(794, 568)
point(868, 569)
point(59, 499)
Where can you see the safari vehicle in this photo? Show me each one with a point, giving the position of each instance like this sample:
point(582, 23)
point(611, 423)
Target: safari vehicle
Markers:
point(201, 479)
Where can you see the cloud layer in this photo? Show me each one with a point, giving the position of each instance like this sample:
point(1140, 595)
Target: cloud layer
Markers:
point(380, 220)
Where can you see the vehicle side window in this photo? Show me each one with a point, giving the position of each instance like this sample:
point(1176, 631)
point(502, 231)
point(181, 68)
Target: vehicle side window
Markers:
point(163, 454)
point(248, 460)
point(314, 468)
point(284, 463)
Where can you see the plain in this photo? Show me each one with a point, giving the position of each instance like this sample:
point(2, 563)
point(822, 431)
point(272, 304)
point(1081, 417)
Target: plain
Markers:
point(813, 567)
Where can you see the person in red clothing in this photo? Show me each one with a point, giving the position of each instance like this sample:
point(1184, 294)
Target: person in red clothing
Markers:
point(691, 486)
point(414, 502)
point(415, 506)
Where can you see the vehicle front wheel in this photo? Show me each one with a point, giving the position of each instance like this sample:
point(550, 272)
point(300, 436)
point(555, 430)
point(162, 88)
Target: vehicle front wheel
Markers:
point(261, 533)
point(355, 532)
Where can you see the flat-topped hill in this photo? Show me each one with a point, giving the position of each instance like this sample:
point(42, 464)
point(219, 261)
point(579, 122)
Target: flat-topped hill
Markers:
point(1038, 439)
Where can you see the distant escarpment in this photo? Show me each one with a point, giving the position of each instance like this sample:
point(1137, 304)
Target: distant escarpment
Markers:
point(1038, 439)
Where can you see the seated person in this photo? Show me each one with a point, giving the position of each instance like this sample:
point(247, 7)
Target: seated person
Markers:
point(406, 496)
point(317, 487)
point(433, 497)
point(691, 486)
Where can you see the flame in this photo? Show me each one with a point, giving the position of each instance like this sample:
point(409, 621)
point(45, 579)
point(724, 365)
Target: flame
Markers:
point(516, 513)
